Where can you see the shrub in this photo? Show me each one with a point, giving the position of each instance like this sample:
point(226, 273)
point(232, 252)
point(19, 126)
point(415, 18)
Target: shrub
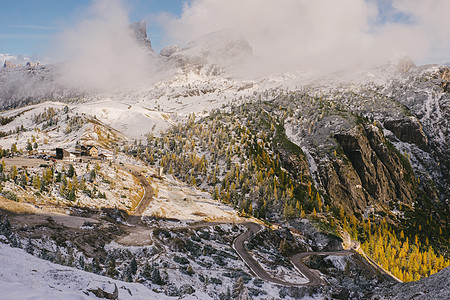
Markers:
point(180, 260)
point(10, 195)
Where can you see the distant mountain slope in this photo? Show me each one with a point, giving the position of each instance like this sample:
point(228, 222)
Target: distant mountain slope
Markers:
point(19, 60)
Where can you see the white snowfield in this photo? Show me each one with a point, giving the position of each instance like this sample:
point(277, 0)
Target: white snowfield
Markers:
point(23, 276)
point(131, 120)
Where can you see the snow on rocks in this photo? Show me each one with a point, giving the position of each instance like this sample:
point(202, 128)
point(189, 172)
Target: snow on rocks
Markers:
point(338, 261)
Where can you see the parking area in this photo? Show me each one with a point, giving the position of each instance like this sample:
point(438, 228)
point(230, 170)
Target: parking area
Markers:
point(25, 162)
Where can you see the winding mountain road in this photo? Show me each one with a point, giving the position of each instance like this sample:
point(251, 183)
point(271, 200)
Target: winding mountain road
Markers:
point(239, 243)
point(313, 276)
point(239, 246)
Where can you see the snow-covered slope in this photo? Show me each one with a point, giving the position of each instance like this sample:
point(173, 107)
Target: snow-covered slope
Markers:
point(132, 120)
point(23, 276)
point(435, 287)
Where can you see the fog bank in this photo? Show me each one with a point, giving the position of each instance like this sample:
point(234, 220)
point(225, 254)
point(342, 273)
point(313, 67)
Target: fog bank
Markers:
point(322, 34)
point(101, 51)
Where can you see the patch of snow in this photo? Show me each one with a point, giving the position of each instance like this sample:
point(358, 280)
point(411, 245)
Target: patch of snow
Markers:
point(338, 261)
point(313, 168)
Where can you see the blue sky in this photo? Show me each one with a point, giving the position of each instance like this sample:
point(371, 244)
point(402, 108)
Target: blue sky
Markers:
point(27, 26)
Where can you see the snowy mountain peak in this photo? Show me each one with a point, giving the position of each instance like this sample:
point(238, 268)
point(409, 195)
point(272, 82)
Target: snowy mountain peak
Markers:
point(223, 48)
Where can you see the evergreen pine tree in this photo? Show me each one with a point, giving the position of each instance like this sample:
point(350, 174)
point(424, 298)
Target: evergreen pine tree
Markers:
point(95, 266)
point(81, 261)
point(146, 271)
point(71, 171)
point(29, 147)
point(29, 247)
point(133, 266)
point(111, 268)
point(156, 276)
point(239, 290)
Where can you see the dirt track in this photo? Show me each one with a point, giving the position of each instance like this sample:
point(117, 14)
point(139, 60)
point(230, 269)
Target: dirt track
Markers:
point(25, 162)
point(145, 201)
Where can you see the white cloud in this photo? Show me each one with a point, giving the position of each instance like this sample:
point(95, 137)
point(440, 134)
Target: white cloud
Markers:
point(432, 23)
point(319, 34)
point(100, 51)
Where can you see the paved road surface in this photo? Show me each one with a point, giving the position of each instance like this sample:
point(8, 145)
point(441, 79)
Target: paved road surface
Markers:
point(239, 246)
point(312, 275)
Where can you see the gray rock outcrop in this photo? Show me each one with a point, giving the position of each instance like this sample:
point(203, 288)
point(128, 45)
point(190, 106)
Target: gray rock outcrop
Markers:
point(140, 32)
point(169, 51)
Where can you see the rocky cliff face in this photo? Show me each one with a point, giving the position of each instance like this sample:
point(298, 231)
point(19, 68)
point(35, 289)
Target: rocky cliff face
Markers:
point(222, 48)
point(169, 51)
point(366, 171)
point(375, 146)
point(140, 31)
point(408, 130)
point(423, 131)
